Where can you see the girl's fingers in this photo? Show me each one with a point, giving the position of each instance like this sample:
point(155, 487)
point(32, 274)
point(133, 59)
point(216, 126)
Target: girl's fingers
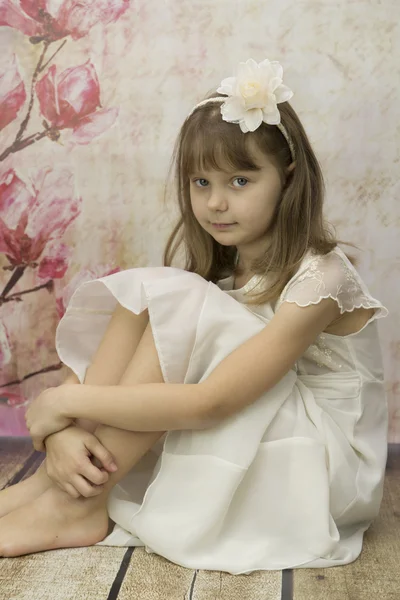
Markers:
point(93, 474)
point(71, 491)
point(38, 444)
point(102, 454)
point(85, 488)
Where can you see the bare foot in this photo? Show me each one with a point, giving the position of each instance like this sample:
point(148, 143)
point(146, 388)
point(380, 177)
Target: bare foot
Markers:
point(25, 491)
point(54, 520)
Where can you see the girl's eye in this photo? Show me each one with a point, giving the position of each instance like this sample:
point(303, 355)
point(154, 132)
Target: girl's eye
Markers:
point(241, 181)
point(201, 182)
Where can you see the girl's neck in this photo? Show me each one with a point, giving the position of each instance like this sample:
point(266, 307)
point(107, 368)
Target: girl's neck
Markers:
point(241, 274)
point(240, 267)
point(240, 281)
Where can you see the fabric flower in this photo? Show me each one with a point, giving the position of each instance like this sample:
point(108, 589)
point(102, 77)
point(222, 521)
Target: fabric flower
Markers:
point(71, 99)
point(54, 19)
point(254, 94)
point(12, 93)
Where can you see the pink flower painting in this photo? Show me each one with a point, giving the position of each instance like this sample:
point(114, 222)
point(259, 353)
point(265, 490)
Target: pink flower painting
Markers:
point(65, 293)
point(5, 351)
point(38, 203)
point(71, 99)
point(13, 395)
point(33, 217)
point(52, 20)
point(12, 93)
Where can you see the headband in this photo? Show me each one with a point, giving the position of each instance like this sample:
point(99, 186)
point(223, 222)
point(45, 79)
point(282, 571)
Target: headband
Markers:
point(252, 97)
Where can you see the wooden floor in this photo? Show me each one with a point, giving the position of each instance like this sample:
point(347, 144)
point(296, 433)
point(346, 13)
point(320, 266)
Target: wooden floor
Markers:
point(101, 573)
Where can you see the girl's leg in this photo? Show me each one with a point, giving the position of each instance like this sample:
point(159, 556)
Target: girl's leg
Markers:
point(54, 519)
point(128, 447)
point(117, 347)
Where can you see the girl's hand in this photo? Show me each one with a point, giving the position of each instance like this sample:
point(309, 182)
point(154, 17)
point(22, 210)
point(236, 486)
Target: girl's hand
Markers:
point(69, 465)
point(44, 417)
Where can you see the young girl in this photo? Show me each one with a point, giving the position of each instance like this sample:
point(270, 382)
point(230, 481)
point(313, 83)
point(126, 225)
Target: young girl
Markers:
point(241, 398)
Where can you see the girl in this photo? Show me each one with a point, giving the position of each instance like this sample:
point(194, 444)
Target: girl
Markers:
point(260, 360)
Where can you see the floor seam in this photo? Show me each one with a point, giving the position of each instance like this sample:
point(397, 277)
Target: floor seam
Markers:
point(120, 576)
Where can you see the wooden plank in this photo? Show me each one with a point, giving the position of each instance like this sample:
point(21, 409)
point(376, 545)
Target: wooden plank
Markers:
point(87, 573)
point(151, 577)
point(74, 573)
point(90, 573)
point(376, 573)
point(260, 585)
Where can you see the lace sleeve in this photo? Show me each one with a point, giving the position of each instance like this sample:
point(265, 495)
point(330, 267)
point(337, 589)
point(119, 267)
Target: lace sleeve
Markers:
point(331, 276)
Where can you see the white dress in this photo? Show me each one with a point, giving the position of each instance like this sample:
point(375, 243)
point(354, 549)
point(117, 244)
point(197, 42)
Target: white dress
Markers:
point(293, 480)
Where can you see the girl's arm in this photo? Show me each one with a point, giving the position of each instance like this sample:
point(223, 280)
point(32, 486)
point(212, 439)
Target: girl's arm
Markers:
point(248, 372)
point(71, 378)
point(87, 424)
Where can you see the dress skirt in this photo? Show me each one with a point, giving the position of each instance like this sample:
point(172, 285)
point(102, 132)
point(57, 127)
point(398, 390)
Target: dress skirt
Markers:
point(291, 481)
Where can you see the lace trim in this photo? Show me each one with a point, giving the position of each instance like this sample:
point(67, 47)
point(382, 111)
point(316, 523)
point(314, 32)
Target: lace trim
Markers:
point(322, 354)
point(369, 304)
point(252, 284)
point(349, 294)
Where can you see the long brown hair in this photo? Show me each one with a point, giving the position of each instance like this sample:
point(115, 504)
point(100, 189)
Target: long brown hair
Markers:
point(297, 226)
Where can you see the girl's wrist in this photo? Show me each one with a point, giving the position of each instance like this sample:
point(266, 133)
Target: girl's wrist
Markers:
point(67, 400)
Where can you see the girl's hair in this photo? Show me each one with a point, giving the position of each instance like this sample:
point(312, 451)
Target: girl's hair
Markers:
point(208, 142)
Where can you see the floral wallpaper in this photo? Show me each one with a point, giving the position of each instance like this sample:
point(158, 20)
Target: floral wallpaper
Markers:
point(92, 95)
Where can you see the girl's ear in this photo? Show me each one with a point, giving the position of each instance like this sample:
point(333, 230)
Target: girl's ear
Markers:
point(291, 167)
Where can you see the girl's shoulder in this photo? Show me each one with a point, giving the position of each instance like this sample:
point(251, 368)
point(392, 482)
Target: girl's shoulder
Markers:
point(330, 275)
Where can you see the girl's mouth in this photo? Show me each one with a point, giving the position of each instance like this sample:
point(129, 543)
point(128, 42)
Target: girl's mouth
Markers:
point(222, 225)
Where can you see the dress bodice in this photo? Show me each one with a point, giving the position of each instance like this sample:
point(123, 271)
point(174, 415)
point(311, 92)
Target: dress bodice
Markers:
point(319, 277)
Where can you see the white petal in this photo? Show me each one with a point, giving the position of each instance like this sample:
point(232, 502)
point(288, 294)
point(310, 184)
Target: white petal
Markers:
point(232, 109)
point(247, 69)
point(272, 118)
point(253, 118)
point(227, 86)
point(277, 69)
point(283, 93)
point(274, 83)
point(264, 64)
point(270, 104)
point(244, 127)
point(251, 64)
point(266, 71)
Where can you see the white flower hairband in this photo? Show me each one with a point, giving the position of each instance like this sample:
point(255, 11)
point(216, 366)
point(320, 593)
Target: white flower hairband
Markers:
point(253, 96)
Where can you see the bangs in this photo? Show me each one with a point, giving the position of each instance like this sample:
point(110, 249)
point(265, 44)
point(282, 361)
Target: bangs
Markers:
point(209, 143)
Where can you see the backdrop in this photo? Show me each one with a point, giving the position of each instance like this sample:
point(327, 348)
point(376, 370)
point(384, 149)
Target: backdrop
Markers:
point(92, 95)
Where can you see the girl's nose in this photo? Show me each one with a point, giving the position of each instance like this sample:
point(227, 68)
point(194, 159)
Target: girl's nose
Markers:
point(217, 200)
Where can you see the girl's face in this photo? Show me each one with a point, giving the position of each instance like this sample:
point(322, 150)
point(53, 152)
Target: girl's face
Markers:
point(244, 200)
